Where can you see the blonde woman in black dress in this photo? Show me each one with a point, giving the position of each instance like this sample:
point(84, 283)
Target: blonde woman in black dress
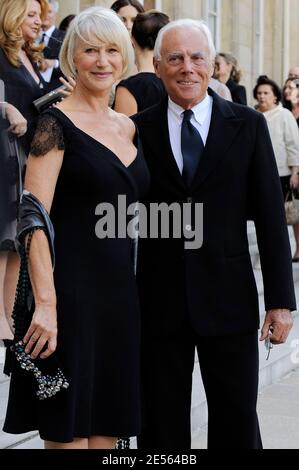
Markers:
point(20, 22)
point(84, 154)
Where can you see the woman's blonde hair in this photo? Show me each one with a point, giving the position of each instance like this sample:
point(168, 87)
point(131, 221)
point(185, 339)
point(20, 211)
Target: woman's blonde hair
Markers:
point(12, 15)
point(101, 24)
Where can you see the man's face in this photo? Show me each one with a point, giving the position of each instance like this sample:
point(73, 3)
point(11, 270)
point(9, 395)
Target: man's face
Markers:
point(50, 18)
point(294, 72)
point(185, 66)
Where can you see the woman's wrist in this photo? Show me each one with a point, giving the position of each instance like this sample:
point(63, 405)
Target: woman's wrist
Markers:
point(294, 170)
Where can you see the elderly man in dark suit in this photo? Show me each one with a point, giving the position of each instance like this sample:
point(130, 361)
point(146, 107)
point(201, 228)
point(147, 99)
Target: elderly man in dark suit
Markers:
point(203, 149)
point(52, 38)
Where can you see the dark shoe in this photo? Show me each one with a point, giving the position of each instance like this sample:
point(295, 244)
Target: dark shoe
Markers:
point(295, 260)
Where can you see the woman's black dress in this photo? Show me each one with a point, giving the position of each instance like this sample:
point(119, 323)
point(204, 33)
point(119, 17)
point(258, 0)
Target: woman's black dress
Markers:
point(20, 90)
point(146, 88)
point(238, 92)
point(97, 305)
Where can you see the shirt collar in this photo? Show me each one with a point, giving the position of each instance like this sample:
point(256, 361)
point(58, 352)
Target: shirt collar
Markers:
point(50, 31)
point(200, 110)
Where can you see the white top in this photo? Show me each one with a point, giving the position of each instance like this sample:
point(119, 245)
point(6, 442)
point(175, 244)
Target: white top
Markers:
point(201, 120)
point(285, 138)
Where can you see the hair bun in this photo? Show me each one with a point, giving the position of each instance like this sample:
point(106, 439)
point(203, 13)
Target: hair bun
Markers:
point(262, 79)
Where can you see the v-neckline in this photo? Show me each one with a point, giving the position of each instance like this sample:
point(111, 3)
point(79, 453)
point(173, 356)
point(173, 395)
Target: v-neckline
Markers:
point(101, 144)
point(31, 76)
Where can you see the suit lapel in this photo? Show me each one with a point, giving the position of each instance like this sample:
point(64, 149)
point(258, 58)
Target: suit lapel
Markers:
point(223, 129)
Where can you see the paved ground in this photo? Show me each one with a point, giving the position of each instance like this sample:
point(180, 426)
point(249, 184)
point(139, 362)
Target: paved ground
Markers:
point(278, 408)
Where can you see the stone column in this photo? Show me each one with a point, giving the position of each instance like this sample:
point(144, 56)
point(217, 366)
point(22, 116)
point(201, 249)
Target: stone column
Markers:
point(104, 3)
point(227, 15)
point(67, 7)
point(294, 21)
point(278, 23)
point(150, 4)
point(182, 9)
point(286, 39)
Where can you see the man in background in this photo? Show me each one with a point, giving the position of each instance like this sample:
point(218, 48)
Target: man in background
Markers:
point(52, 38)
point(294, 72)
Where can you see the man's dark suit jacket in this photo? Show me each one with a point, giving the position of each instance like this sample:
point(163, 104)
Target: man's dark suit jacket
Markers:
point(214, 286)
point(51, 51)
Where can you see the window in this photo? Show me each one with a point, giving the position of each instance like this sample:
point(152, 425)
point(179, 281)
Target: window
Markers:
point(211, 13)
point(258, 37)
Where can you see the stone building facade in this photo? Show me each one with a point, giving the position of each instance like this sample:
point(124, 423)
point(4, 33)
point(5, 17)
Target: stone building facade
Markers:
point(262, 34)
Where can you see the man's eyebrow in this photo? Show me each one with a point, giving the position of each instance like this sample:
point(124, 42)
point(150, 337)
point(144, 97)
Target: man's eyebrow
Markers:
point(182, 53)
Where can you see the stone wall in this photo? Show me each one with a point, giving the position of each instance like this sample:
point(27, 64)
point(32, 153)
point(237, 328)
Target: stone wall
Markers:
point(270, 48)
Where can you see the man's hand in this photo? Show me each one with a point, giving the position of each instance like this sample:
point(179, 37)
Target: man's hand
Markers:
point(279, 322)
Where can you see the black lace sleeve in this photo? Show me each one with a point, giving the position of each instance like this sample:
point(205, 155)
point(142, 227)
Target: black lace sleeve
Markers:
point(48, 135)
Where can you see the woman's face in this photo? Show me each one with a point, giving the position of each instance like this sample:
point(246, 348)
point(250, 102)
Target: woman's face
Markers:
point(291, 91)
point(222, 69)
point(127, 15)
point(98, 66)
point(266, 98)
point(32, 22)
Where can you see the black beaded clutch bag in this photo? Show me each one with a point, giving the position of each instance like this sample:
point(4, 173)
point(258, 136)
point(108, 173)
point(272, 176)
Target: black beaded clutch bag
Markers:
point(47, 373)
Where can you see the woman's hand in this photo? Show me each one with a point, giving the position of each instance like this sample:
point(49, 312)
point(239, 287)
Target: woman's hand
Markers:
point(43, 329)
point(69, 84)
point(294, 181)
point(18, 124)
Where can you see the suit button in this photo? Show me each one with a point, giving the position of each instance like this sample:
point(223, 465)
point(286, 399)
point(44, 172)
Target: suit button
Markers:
point(189, 200)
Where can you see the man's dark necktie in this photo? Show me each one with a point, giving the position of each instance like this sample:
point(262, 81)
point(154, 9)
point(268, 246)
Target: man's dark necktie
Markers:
point(42, 38)
point(192, 147)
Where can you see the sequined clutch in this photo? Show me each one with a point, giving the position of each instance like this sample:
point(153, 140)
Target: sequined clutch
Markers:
point(47, 373)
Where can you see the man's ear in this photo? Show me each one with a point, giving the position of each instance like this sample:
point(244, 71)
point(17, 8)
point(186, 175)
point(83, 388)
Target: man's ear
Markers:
point(156, 63)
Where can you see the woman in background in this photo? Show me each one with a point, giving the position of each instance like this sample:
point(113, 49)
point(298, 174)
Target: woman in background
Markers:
point(284, 136)
point(226, 70)
point(11, 122)
point(20, 56)
point(144, 89)
point(64, 24)
point(127, 10)
point(291, 97)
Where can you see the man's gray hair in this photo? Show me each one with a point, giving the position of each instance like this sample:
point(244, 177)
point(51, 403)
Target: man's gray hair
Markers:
point(186, 24)
point(55, 4)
